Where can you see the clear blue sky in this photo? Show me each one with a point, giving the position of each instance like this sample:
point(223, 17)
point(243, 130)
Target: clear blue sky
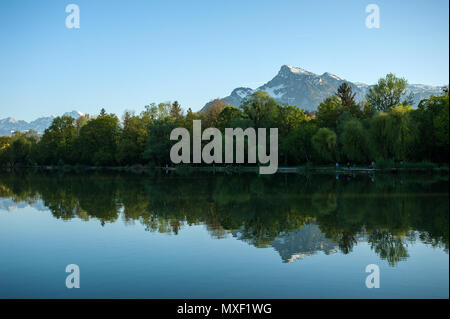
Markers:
point(130, 53)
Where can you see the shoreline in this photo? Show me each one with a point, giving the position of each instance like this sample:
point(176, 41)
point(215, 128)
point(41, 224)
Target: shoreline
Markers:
point(231, 169)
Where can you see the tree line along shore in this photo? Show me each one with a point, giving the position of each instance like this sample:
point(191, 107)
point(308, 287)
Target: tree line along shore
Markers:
point(382, 132)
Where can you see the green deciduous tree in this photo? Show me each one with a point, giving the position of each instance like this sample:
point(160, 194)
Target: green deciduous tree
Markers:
point(329, 111)
point(20, 149)
point(387, 93)
point(158, 111)
point(355, 141)
point(227, 116)
point(289, 118)
point(56, 145)
point(393, 133)
point(132, 140)
point(210, 117)
point(324, 142)
point(261, 109)
point(298, 144)
point(97, 142)
point(157, 150)
point(432, 118)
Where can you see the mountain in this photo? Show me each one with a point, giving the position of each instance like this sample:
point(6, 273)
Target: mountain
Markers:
point(10, 125)
point(304, 89)
point(303, 242)
point(10, 205)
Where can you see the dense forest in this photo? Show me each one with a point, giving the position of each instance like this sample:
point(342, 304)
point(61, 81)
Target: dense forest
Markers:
point(383, 129)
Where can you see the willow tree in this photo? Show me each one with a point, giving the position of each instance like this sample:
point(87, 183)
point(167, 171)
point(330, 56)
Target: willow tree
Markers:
point(401, 131)
point(393, 133)
point(355, 141)
point(324, 142)
point(432, 117)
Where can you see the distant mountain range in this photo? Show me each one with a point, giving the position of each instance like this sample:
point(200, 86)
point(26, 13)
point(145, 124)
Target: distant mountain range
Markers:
point(10, 125)
point(10, 205)
point(306, 90)
point(292, 86)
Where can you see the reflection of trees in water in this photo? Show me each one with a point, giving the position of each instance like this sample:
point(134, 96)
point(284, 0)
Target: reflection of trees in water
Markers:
point(387, 246)
point(257, 209)
point(346, 241)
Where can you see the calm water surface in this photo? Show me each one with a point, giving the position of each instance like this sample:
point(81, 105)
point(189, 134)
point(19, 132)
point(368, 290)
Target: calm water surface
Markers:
point(220, 236)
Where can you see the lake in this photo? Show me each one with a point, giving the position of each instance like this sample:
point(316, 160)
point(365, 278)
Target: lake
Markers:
point(204, 235)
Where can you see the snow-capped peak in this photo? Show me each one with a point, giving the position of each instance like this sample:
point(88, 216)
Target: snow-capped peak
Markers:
point(304, 89)
point(295, 70)
point(360, 84)
point(332, 76)
point(9, 125)
point(75, 114)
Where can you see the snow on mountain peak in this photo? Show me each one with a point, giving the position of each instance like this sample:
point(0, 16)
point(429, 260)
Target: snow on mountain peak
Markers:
point(75, 114)
point(294, 70)
point(243, 92)
point(304, 89)
point(361, 84)
point(289, 69)
point(9, 125)
point(276, 91)
point(332, 76)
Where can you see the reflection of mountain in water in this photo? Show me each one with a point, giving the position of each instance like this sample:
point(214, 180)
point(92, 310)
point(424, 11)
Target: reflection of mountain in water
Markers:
point(9, 204)
point(302, 243)
point(295, 215)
